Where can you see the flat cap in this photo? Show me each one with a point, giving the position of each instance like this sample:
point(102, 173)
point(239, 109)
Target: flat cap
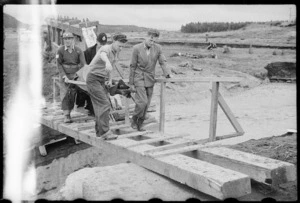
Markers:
point(68, 35)
point(102, 38)
point(153, 32)
point(120, 37)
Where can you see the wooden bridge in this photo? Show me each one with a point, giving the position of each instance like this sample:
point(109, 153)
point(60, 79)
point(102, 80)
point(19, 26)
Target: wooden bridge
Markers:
point(218, 171)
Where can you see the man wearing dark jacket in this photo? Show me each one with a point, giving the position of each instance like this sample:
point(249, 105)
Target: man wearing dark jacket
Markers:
point(91, 52)
point(89, 55)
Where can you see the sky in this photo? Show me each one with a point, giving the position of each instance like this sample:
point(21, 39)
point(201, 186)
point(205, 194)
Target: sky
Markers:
point(164, 17)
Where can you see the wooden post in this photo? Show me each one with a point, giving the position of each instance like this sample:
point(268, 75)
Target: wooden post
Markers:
point(54, 91)
point(213, 111)
point(229, 114)
point(49, 38)
point(53, 34)
point(162, 108)
point(58, 37)
point(126, 111)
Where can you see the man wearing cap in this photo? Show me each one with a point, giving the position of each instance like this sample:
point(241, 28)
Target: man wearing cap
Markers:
point(142, 72)
point(99, 76)
point(89, 54)
point(70, 59)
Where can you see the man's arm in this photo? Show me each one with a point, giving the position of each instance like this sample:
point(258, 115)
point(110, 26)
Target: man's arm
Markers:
point(60, 68)
point(108, 66)
point(133, 65)
point(82, 61)
point(163, 63)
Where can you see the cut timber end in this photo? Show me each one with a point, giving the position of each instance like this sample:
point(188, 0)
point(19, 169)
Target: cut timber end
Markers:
point(262, 169)
point(208, 178)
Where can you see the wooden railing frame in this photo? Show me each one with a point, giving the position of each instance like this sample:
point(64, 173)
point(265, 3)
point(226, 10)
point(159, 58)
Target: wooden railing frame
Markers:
point(216, 99)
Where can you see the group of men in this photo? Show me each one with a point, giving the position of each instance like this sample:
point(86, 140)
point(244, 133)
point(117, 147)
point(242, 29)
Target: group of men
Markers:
point(100, 60)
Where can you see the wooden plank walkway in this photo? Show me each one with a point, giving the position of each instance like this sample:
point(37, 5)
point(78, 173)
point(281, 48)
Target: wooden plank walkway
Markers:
point(219, 172)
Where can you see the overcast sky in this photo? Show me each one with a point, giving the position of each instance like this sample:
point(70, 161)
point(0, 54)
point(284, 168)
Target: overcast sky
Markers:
point(166, 17)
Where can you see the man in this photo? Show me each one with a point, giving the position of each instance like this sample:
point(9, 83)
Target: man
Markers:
point(98, 78)
point(142, 72)
point(89, 54)
point(70, 59)
point(211, 46)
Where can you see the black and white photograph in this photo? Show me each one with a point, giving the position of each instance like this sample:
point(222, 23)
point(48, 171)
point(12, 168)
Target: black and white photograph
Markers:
point(149, 101)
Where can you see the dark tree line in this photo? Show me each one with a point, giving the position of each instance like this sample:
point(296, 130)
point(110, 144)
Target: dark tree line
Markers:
point(211, 27)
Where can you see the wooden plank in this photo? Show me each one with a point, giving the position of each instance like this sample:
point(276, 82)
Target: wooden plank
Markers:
point(86, 126)
point(188, 143)
point(76, 82)
point(175, 145)
point(119, 126)
point(229, 114)
point(213, 111)
point(200, 79)
point(177, 151)
point(161, 138)
point(162, 108)
point(134, 134)
point(132, 106)
point(205, 177)
point(229, 136)
point(127, 111)
point(262, 169)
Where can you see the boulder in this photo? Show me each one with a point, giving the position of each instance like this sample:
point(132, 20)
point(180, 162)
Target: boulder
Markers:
point(282, 70)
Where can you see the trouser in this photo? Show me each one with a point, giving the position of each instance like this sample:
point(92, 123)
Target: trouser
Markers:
point(142, 99)
point(67, 94)
point(82, 97)
point(101, 103)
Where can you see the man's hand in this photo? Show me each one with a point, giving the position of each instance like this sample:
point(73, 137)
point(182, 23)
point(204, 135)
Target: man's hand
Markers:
point(132, 88)
point(66, 79)
point(108, 83)
point(108, 67)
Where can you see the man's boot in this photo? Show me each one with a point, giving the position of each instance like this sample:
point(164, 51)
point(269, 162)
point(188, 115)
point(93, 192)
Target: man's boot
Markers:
point(139, 123)
point(133, 122)
point(67, 119)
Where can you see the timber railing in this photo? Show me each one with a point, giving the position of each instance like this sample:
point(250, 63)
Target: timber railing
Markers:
point(216, 98)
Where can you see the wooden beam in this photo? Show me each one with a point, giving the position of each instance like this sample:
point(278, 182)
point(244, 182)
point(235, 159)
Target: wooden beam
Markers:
point(192, 172)
point(200, 79)
point(208, 178)
point(177, 151)
point(262, 169)
point(162, 108)
point(115, 127)
point(76, 82)
point(148, 141)
point(134, 134)
point(213, 111)
point(175, 145)
point(229, 136)
point(229, 114)
point(127, 121)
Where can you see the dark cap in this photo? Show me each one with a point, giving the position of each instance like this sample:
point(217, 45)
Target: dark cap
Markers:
point(153, 32)
point(102, 38)
point(120, 37)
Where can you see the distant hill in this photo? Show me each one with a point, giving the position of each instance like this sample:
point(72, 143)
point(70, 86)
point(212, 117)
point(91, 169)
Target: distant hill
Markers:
point(11, 22)
point(120, 28)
